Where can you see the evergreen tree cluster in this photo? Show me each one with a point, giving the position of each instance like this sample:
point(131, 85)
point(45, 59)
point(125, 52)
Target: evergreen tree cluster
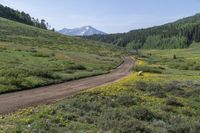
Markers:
point(179, 34)
point(22, 17)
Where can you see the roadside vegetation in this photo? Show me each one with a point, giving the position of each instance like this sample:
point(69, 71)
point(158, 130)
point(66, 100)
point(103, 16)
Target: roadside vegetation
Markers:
point(31, 57)
point(164, 100)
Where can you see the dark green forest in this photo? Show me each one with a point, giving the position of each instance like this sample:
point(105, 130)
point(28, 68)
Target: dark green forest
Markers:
point(22, 17)
point(179, 34)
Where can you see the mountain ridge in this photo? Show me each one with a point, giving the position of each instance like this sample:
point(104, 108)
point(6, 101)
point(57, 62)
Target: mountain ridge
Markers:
point(178, 34)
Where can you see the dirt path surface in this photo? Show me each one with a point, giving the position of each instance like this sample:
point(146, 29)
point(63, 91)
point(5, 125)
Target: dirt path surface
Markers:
point(44, 95)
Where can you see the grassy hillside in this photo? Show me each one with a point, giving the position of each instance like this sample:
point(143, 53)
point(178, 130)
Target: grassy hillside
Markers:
point(179, 34)
point(32, 57)
point(164, 100)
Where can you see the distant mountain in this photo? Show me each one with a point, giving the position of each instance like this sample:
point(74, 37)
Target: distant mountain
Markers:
point(82, 31)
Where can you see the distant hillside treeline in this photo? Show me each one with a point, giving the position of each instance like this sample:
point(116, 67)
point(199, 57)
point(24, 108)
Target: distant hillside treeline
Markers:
point(179, 34)
point(22, 17)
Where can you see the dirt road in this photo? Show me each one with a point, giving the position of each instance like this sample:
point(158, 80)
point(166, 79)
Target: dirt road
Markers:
point(13, 101)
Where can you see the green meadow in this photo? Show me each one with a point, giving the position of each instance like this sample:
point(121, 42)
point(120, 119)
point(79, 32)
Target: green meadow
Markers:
point(31, 57)
point(164, 100)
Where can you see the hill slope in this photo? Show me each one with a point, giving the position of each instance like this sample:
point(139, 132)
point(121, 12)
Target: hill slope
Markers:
point(32, 57)
point(82, 31)
point(22, 17)
point(179, 34)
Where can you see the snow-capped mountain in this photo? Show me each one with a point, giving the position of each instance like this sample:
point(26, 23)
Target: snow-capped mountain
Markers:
point(82, 31)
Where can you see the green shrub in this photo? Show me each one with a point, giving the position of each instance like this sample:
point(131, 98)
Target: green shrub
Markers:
point(173, 102)
point(196, 67)
point(159, 94)
point(126, 100)
point(120, 121)
point(140, 85)
point(40, 54)
point(149, 69)
point(154, 89)
point(187, 113)
point(45, 73)
point(179, 128)
point(175, 88)
point(131, 126)
point(172, 86)
point(168, 109)
point(184, 126)
point(76, 67)
point(143, 114)
point(174, 57)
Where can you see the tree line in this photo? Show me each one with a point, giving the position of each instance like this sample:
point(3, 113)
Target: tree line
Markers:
point(179, 34)
point(22, 17)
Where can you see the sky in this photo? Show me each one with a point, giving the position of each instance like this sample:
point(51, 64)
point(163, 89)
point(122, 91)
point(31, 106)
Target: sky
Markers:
point(110, 16)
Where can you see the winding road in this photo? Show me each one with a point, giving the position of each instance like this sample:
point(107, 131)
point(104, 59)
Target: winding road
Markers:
point(11, 102)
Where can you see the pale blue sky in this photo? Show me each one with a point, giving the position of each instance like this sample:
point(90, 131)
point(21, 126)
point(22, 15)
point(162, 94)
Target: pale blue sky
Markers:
point(110, 16)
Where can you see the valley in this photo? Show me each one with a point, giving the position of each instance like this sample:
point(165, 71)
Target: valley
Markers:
point(164, 99)
point(83, 80)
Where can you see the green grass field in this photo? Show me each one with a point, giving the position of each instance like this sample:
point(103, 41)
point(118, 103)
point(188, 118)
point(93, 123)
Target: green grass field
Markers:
point(165, 100)
point(31, 57)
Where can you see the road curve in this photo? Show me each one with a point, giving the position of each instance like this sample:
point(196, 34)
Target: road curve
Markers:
point(11, 102)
